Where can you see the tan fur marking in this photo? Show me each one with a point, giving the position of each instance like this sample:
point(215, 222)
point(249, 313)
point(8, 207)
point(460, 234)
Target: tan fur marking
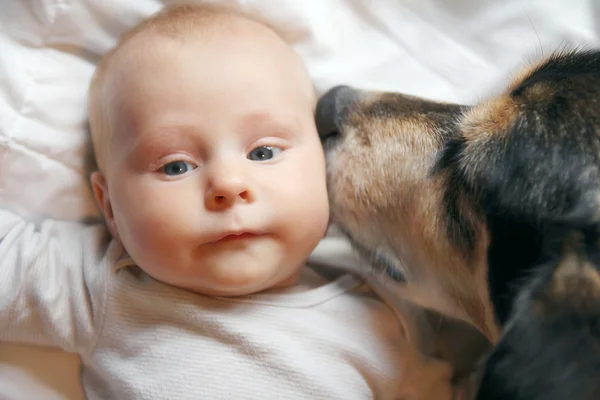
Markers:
point(490, 119)
point(575, 278)
point(525, 72)
point(496, 116)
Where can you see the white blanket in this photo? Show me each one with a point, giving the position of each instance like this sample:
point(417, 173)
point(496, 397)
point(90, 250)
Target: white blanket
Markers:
point(453, 50)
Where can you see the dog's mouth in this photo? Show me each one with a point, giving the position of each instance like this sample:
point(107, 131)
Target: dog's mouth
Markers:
point(379, 260)
point(330, 139)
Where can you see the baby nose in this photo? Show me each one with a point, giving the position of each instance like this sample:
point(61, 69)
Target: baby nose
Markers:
point(227, 190)
point(331, 110)
point(243, 194)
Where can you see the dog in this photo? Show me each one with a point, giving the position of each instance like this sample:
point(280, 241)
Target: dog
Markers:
point(494, 208)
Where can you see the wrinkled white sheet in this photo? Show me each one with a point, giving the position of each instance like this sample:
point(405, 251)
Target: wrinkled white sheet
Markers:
point(453, 50)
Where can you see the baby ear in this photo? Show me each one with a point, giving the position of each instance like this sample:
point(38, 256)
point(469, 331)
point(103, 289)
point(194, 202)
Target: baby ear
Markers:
point(100, 189)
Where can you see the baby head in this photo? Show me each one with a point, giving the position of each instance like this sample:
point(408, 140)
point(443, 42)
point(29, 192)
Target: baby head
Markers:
point(211, 173)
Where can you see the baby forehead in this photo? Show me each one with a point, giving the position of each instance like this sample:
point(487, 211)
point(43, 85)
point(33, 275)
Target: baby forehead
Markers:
point(228, 56)
point(153, 61)
point(217, 29)
point(236, 39)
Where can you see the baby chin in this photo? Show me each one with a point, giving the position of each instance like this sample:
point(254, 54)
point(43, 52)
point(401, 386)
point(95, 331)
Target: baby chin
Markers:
point(241, 266)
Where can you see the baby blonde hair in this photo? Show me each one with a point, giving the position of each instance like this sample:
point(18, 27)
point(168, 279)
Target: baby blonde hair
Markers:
point(174, 21)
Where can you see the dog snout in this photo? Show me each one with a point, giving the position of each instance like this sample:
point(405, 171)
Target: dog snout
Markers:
point(331, 109)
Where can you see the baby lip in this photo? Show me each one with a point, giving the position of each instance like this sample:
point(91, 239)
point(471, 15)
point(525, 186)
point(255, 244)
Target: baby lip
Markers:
point(235, 235)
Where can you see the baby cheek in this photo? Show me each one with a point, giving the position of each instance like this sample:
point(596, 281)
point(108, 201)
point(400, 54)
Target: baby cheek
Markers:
point(306, 204)
point(157, 218)
point(139, 227)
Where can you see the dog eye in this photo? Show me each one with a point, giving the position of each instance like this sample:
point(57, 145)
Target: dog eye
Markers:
point(263, 153)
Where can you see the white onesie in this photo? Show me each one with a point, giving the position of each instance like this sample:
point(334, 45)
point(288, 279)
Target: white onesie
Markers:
point(64, 284)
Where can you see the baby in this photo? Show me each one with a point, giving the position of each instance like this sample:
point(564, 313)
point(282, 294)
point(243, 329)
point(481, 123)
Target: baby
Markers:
point(211, 179)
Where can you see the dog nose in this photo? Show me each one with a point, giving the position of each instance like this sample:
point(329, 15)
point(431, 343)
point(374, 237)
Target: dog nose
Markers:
point(331, 109)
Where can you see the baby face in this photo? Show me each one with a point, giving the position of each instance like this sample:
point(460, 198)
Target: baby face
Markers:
point(216, 175)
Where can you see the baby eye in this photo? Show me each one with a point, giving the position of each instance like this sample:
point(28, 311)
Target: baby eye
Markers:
point(177, 168)
point(263, 153)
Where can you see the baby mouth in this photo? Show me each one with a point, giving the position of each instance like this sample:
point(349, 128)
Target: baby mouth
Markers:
point(236, 236)
point(239, 236)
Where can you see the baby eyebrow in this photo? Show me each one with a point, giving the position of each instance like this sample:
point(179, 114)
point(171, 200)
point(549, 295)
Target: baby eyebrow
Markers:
point(266, 120)
point(150, 146)
point(167, 136)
